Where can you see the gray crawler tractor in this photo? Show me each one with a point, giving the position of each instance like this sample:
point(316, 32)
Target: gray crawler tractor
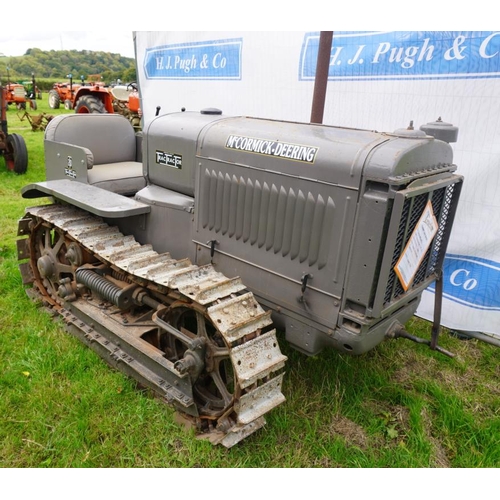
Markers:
point(178, 253)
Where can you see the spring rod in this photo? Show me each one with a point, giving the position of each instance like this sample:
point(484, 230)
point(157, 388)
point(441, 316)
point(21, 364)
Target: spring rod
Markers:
point(103, 287)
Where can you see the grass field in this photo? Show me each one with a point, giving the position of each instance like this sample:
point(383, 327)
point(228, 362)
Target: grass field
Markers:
point(399, 406)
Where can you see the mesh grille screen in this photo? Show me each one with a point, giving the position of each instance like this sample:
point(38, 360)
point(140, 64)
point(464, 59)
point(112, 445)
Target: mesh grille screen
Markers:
point(441, 200)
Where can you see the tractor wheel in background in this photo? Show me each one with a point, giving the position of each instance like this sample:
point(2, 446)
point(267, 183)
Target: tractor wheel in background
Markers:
point(21, 105)
point(33, 104)
point(16, 155)
point(54, 99)
point(89, 104)
point(68, 104)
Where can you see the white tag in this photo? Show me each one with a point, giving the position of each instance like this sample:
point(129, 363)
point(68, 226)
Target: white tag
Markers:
point(416, 248)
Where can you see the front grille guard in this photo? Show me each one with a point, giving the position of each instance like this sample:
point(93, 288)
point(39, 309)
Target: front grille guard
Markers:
point(408, 207)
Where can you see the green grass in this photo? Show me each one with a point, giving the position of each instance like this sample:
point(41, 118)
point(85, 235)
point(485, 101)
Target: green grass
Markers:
point(399, 406)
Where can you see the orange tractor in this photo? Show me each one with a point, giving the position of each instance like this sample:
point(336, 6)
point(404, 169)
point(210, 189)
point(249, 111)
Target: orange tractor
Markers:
point(15, 93)
point(96, 97)
point(122, 99)
point(12, 146)
point(63, 93)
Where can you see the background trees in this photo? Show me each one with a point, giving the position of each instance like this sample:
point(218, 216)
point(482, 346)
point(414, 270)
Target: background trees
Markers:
point(57, 64)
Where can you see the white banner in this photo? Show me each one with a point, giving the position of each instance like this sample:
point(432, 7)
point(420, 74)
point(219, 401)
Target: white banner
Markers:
point(377, 80)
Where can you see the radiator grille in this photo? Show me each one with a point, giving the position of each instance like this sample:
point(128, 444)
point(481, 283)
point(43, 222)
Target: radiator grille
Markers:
point(413, 208)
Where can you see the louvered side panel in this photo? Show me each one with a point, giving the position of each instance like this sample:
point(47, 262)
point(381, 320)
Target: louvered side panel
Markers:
point(219, 202)
point(257, 196)
point(316, 230)
point(264, 215)
point(247, 215)
point(233, 206)
point(300, 208)
point(205, 207)
point(306, 228)
point(280, 218)
point(289, 222)
point(277, 219)
point(240, 208)
point(271, 226)
point(326, 237)
point(226, 204)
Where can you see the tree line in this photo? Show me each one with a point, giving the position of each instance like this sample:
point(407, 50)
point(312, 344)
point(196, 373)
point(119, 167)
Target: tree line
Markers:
point(58, 64)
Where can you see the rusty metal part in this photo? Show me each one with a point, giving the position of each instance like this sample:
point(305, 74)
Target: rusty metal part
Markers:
point(37, 122)
point(197, 338)
point(397, 331)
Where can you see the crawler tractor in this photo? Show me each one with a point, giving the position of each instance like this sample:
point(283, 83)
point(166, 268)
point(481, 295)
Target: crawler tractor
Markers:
point(183, 253)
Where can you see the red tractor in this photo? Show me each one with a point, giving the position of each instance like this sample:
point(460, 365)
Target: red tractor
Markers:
point(12, 146)
point(93, 98)
point(15, 93)
point(122, 99)
point(63, 93)
point(127, 103)
point(96, 97)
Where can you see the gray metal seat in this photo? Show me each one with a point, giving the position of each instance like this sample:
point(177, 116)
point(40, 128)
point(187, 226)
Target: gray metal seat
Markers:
point(98, 149)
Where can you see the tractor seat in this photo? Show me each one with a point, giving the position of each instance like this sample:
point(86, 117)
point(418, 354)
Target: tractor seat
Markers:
point(93, 148)
point(120, 92)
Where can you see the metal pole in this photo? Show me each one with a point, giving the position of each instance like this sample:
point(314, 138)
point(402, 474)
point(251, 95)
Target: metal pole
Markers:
point(321, 78)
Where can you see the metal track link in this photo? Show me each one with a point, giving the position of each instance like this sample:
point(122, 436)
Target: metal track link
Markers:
point(253, 349)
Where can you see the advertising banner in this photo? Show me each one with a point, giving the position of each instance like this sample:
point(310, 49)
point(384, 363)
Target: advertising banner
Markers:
point(377, 80)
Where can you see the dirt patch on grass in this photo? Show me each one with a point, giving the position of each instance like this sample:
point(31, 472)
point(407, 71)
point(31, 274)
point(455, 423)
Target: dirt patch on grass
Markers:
point(395, 420)
point(353, 434)
point(413, 367)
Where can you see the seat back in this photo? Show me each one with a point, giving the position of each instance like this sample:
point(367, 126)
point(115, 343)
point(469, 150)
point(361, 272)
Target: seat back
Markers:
point(110, 137)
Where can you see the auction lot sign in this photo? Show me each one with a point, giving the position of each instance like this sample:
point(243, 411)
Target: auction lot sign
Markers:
point(376, 80)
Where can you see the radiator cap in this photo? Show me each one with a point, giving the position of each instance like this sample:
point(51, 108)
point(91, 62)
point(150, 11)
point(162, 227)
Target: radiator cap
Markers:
point(409, 132)
point(211, 111)
point(441, 130)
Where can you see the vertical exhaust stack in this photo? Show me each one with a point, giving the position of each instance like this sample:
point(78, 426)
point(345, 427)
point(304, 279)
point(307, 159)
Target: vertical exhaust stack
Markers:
point(321, 80)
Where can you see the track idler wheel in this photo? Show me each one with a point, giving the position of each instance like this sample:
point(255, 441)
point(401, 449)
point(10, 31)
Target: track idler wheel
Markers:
point(203, 353)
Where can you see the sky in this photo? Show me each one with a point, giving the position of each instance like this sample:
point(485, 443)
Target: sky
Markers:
point(17, 42)
point(36, 31)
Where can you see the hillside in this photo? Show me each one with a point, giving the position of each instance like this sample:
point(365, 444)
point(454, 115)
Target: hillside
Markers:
point(57, 64)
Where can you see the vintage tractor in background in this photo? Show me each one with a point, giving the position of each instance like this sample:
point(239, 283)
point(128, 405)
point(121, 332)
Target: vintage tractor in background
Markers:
point(93, 98)
point(126, 102)
point(69, 93)
point(32, 92)
point(16, 93)
point(121, 99)
point(97, 97)
point(12, 146)
point(63, 93)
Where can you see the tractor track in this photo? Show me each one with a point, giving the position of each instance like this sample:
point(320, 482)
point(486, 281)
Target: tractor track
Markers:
point(226, 403)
